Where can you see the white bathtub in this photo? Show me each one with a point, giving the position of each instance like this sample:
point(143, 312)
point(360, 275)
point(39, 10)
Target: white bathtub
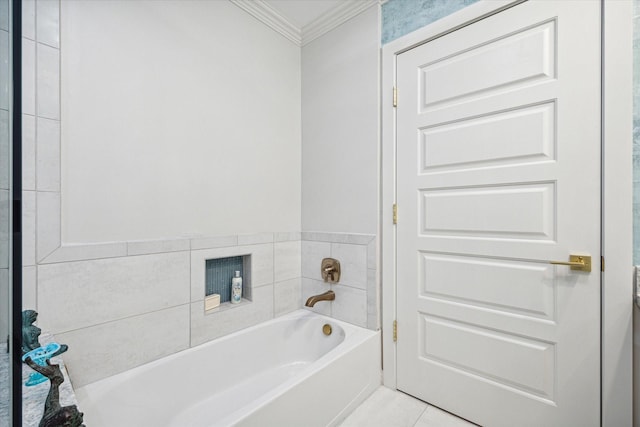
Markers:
point(284, 372)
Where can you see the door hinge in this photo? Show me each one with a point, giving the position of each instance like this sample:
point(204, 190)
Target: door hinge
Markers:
point(601, 263)
point(395, 331)
point(395, 213)
point(395, 96)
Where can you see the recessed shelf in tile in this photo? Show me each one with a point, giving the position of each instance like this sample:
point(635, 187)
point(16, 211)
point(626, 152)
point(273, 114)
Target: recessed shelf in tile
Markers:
point(220, 271)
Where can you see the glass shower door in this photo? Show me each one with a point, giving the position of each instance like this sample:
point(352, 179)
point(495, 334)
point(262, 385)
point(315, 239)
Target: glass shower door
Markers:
point(4, 174)
point(5, 220)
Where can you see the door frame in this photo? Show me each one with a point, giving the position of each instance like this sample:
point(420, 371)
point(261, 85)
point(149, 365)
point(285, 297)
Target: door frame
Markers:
point(617, 184)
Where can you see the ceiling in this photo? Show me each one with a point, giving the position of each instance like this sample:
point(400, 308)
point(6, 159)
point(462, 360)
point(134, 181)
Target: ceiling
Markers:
point(302, 12)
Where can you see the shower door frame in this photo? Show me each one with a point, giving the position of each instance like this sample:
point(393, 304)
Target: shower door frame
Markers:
point(617, 177)
point(15, 211)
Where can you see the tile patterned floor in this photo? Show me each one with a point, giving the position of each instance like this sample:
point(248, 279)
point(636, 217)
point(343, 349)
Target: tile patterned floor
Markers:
point(390, 408)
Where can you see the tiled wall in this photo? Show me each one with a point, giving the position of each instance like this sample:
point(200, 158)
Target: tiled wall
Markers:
point(121, 304)
point(119, 312)
point(123, 310)
point(400, 17)
point(356, 293)
point(41, 137)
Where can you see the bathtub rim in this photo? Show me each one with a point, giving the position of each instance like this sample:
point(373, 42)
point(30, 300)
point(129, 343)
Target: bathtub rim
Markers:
point(354, 336)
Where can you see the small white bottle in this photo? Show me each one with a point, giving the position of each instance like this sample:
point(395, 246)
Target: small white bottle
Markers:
point(236, 288)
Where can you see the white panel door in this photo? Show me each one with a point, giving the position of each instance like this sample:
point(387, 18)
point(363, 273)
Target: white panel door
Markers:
point(498, 172)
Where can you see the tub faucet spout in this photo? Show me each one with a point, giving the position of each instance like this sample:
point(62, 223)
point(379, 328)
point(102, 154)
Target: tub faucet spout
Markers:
point(327, 296)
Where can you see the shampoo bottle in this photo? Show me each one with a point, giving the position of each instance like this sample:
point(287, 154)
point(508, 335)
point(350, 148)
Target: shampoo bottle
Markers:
point(236, 288)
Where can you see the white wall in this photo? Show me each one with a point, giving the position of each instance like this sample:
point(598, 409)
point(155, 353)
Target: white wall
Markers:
point(178, 118)
point(142, 158)
point(160, 137)
point(340, 128)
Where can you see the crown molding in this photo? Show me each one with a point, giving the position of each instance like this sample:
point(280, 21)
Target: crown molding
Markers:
point(334, 17)
point(260, 10)
point(326, 22)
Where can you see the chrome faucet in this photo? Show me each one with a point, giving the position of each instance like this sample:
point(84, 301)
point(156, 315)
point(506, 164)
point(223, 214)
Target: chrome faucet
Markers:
point(327, 296)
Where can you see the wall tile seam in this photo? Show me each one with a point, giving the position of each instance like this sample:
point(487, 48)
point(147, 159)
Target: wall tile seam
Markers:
point(287, 280)
point(43, 43)
point(70, 260)
point(35, 92)
point(190, 296)
point(37, 109)
point(39, 115)
point(35, 232)
point(57, 49)
point(273, 278)
point(35, 141)
point(365, 245)
point(255, 238)
point(273, 301)
point(65, 331)
point(35, 20)
point(336, 243)
point(35, 23)
point(57, 120)
point(234, 246)
point(198, 246)
point(165, 251)
point(128, 244)
point(85, 258)
point(333, 286)
point(287, 236)
point(222, 308)
point(343, 285)
point(246, 301)
point(262, 285)
point(40, 260)
point(343, 238)
point(323, 234)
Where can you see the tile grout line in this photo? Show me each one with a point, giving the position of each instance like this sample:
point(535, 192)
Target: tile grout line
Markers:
point(35, 136)
point(131, 316)
point(273, 296)
point(331, 285)
point(190, 296)
point(35, 149)
point(126, 243)
point(420, 416)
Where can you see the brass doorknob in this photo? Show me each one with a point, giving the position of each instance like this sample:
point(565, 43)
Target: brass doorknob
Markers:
point(576, 262)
